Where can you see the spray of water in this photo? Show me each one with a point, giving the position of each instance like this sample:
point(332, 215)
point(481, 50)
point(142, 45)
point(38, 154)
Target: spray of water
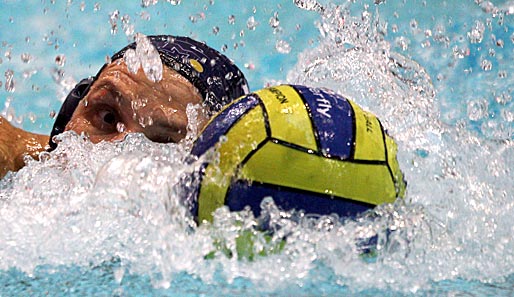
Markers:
point(86, 204)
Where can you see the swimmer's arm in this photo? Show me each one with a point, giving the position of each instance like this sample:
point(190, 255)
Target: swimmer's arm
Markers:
point(15, 143)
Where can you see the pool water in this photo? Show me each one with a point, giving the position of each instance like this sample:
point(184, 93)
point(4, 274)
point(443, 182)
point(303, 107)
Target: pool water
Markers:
point(107, 219)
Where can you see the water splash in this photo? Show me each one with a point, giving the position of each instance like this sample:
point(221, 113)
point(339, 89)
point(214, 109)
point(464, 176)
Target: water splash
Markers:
point(118, 203)
point(145, 56)
point(455, 204)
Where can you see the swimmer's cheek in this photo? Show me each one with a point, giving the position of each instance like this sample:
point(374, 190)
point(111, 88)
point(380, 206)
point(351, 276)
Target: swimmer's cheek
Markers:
point(85, 127)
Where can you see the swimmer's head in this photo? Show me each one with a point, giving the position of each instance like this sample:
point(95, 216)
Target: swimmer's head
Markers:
point(214, 76)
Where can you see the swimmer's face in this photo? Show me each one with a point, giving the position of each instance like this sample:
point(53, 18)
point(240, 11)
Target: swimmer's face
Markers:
point(121, 102)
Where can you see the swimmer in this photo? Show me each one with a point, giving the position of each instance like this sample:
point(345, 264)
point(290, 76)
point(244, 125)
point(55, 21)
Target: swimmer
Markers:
point(116, 101)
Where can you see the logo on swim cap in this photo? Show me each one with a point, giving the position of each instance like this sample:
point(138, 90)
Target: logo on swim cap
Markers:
point(196, 65)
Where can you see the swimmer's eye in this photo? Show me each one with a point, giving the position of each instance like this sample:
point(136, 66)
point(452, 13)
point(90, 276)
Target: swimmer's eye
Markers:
point(108, 117)
point(106, 120)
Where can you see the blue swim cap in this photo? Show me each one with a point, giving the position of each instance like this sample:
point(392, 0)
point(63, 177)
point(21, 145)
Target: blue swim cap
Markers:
point(217, 78)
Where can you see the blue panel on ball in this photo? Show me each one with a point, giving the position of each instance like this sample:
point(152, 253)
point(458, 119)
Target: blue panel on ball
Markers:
point(241, 194)
point(222, 123)
point(333, 120)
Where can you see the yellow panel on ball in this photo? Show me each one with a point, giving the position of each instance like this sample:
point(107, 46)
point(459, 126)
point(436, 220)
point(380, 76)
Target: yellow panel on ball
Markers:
point(288, 118)
point(231, 153)
point(282, 165)
point(369, 137)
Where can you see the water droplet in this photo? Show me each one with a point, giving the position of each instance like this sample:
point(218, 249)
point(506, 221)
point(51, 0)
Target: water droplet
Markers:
point(120, 127)
point(96, 7)
point(113, 20)
point(131, 60)
point(402, 42)
point(9, 81)
point(486, 65)
point(274, 21)
point(507, 115)
point(32, 117)
point(128, 28)
point(29, 73)
point(215, 30)
point(7, 54)
point(174, 2)
point(477, 32)
point(458, 52)
point(413, 24)
point(283, 47)
point(52, 114)
point(251, 23)
point(426, 44)
point(26, 58)
point(503, 98)
point(477, 109)
point(229, 76)
point(146, 3)
point(231, 19)
point(308, 5)
point(82, 6)
point(60, 60)
point(145, 15)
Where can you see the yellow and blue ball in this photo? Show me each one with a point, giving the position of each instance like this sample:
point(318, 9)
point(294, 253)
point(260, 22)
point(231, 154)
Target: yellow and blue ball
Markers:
point(308, 148)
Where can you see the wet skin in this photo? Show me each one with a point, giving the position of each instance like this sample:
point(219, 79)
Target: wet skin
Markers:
point(120, 102)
